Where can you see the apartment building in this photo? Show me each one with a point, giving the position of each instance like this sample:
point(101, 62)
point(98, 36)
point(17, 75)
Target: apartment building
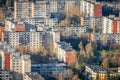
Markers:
point(29, 9)
point(69, 31)
point(95, 72)
point(12, 60)
point(50, 36)
point(32, 76)
point(53, 6)
point(39, 9)
point(91, 22)
point(106, 38)
point(9, 25)
point(61, 5)
point(23, 9)
point(0, 61)
point(2, 30)
point(36, 22)
point(6, 75)
point(65, 52)
point(91, 8)
point(20, 63)
point(14, 25)
point(48, 68)
point(5, 52)
point(32, 39)
point(69, 3)
point(111, 24)
point(117, 38)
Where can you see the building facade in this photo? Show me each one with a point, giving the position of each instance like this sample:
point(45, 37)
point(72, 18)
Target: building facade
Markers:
point(31, 39)
point(47, 69)
point(95, 72)
point(111, 24)
point(20, 64)
point(6, 75)
point(13, 61)
point(65, 52)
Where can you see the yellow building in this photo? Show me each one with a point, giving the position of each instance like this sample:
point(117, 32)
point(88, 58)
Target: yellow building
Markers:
point(97, 73)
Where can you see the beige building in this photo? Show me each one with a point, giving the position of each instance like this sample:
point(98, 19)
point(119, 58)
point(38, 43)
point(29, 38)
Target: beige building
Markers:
point(97, 73)
point(15, 61)
point(29, 9)
point(30, 39)
point(20, 63)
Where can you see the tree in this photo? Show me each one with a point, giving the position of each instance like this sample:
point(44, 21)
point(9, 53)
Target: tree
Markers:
point(105, 63)
point(75, 77)
point(20, 49)
point(119, 61)
point(103, 55)
point(51, 46)
point(69, 74)
point(41, 49)
point(60, 77)
point(72, 14)
point(82, 51)
point(77, 66)
point(75, 20)
point(89, 50)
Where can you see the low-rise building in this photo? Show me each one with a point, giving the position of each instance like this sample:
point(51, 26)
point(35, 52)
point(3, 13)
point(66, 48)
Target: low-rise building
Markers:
point(95, 72)
point(48, 68)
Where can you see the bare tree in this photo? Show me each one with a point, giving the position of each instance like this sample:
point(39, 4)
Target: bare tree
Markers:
point(105, 63)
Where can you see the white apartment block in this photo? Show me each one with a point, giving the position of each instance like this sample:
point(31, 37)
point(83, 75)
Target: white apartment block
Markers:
point(111, 24)
point(53, 6)
point(117, 38)
point(69, 3)
point(40, 9)
point(20, 63)
point(60, 49)
point(9, 25)
point(87, 7)
point(31, 39)
point(29, 9)
point(23, 9)
point(107, 25)
point(79, 30)
point(60, 53)
point(44, 22)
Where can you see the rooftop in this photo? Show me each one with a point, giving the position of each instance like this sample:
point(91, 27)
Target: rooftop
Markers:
point(34, 75)
point(96, 68)
point(65, 46)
